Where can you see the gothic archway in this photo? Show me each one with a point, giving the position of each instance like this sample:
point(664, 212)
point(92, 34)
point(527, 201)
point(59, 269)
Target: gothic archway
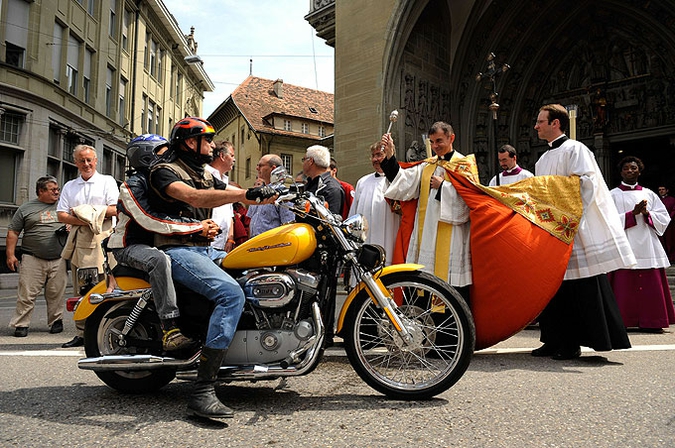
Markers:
point(614, 59)
point(417, 79)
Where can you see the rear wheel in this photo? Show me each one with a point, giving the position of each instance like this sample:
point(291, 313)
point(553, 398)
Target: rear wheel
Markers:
point(442, 330)
point(101, 337)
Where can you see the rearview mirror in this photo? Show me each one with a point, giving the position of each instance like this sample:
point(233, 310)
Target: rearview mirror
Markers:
point(279, 175)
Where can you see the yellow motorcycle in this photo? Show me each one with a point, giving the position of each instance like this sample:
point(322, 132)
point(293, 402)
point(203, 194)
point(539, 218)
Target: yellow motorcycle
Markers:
point(408, 334)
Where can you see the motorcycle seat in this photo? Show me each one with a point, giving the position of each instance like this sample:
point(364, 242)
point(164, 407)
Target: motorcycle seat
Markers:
point(126, 271)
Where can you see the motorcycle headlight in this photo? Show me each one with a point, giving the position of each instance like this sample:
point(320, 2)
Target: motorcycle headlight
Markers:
point(356, 227)
point(371, 257)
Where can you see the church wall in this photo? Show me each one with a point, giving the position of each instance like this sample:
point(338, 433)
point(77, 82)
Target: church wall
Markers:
point(614, 59)
point(420, 89)
point(361, 30)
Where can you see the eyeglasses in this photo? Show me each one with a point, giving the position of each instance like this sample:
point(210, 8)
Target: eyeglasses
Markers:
point(208, 138)
point(85, 160)
point(53, 190)
point(306, 158)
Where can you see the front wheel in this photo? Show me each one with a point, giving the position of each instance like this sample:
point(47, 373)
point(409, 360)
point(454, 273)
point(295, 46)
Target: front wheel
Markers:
point(442, 330)
point(101, 337)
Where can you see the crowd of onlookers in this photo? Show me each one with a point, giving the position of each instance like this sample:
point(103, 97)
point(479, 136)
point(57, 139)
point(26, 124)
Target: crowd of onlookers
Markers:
point(70, 224)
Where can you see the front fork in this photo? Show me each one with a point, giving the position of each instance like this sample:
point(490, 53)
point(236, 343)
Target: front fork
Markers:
point(380, 296)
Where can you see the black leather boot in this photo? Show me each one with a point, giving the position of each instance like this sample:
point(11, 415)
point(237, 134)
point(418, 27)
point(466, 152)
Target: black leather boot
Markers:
point(204, 402)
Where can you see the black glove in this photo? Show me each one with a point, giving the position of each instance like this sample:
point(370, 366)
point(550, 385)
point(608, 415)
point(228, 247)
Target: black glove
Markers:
point(259, 194)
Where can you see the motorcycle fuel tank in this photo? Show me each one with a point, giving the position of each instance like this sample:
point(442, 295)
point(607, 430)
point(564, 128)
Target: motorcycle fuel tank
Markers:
point(282, 246)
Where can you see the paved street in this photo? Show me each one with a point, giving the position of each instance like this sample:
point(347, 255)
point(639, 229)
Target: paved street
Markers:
point(506, 399)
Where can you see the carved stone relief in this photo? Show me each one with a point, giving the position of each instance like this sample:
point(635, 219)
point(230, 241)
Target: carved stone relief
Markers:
point(424, 103)
point(617, 69)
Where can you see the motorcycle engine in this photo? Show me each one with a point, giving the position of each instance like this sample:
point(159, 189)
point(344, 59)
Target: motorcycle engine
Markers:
point(276, 289)
point(270, 290)
point(280, 312)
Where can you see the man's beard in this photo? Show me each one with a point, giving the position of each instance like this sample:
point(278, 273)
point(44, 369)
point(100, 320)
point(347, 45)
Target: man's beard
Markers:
point(205, 158)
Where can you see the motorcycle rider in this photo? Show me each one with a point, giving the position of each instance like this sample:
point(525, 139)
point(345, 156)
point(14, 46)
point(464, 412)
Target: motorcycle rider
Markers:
point(132, 242)
point(181, 186)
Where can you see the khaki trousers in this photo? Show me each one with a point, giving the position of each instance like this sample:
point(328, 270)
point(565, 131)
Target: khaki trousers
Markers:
point(34, 274)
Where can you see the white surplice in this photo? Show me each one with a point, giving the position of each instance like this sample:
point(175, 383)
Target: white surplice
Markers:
point(450, 209)
point(642, 237)
point(369, 201)
point(600, 245)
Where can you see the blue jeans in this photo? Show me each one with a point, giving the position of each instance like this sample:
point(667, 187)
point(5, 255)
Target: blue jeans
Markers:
point(158, 266)
point(194, 267)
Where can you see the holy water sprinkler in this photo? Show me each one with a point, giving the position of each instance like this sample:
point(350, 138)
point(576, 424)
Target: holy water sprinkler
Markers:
point(393, 117)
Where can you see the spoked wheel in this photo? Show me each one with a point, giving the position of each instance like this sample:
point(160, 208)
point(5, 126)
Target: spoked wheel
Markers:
point(101, 337)
point(442, 343)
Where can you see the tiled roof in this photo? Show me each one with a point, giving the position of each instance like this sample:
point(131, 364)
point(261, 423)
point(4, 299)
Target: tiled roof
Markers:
point(256, 99)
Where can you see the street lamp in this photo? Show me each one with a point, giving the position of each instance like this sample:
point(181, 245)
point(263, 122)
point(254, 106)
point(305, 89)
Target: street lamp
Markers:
point(193, 59)
point(491, 75)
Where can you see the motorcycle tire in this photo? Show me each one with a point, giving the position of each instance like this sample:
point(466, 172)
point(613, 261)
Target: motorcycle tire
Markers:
point(442, 328)
point(100, 338)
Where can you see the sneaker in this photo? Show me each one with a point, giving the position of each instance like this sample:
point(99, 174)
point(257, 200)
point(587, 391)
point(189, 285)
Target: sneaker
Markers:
point(57, 327)
point(21, 332)
point(175, 340)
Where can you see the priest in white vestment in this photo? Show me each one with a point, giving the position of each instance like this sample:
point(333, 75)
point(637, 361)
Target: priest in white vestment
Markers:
point(440, 236)
point(584, 310)
point(370, 202)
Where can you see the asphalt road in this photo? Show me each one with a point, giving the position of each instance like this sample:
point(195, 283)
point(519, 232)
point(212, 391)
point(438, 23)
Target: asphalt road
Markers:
point(506, 399)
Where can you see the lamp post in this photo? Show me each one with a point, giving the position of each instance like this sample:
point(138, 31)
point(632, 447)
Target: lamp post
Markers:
point(491, 75)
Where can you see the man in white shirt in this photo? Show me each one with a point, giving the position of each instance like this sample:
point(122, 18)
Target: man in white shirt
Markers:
point(89, 188)
point(223, 161)
point(508, 161)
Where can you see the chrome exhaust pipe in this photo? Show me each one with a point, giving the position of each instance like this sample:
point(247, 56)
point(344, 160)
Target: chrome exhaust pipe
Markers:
point(123, 363)
point(135, 362)
point(272, 371)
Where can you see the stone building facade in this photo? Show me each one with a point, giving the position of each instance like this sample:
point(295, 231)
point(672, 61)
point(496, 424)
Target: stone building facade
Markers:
point(613, 59)
point(86, 71)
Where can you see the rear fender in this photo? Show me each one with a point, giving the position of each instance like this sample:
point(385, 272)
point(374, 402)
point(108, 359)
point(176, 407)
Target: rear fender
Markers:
point(85, 308)
point(376, 276)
